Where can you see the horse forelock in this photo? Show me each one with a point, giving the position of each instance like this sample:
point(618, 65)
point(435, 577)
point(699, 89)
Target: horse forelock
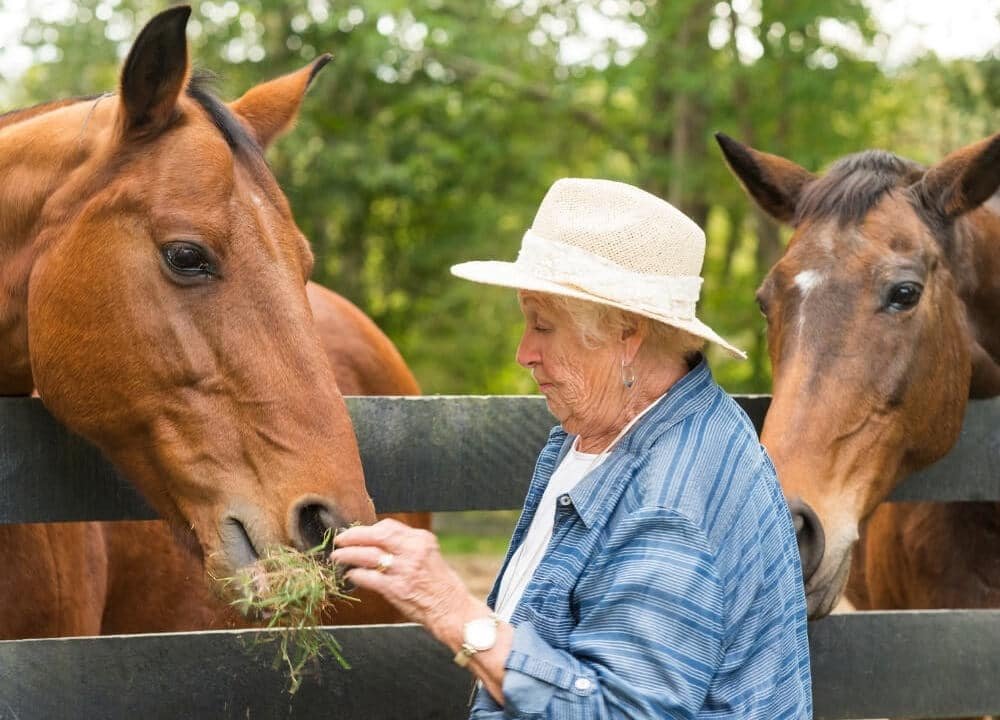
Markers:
point(849, 190)
point(239, 139)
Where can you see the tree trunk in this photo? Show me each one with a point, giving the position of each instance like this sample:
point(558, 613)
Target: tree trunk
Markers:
point(679, 109)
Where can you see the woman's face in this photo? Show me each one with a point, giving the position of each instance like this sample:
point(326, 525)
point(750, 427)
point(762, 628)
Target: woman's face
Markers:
point(581, 385)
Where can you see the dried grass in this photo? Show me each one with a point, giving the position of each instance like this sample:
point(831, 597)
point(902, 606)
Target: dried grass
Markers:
point(292, 591)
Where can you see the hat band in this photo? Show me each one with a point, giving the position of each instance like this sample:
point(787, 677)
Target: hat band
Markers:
point(673, 296)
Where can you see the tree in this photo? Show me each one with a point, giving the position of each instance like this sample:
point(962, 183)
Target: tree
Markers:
point(433, 135)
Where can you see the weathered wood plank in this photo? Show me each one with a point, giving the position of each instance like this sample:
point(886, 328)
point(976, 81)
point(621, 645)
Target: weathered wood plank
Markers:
point(432, 453)
point(49, 475)
point(926, 664)
point(449, 453)
point(971, 471)
point(397, 672)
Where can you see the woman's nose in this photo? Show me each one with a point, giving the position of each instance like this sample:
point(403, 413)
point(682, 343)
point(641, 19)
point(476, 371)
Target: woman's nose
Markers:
point(527, 355)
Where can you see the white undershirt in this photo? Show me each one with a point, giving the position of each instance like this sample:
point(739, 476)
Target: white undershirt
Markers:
point(523, 563)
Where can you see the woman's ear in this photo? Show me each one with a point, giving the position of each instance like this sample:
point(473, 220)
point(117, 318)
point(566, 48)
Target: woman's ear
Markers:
point(632, 339)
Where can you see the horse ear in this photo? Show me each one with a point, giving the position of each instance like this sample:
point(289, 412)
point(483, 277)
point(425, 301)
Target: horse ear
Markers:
point(772, 181)
point(155, 72)
point(271, 107)
point(962, 181)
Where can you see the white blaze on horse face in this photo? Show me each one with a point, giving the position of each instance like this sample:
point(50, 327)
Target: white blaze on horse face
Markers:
point(806, 281)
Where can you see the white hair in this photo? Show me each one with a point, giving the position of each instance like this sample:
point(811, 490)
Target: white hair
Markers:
point(599, 325)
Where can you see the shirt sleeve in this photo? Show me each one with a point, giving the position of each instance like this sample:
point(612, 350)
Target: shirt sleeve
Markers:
point(649, 633)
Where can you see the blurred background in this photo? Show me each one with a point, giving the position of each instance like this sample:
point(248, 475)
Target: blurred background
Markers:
point(440, 124)
point(435, 132)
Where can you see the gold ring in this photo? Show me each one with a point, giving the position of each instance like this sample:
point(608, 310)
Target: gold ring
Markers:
point(385, 562)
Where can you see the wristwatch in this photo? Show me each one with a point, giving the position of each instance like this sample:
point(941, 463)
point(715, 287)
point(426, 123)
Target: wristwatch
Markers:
point(477, 636)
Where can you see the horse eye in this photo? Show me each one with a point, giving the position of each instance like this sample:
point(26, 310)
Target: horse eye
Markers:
point(762, 305)
point(904, 296)
point(187, 259)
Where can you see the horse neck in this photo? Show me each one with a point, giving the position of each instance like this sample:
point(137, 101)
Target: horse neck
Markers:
point(42, 150)
point(974, 258)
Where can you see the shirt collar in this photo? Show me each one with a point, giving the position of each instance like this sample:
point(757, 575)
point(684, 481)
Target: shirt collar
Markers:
point(601, 489)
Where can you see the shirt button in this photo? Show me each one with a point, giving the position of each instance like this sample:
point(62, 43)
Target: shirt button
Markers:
point(582, 684)
point(565, 500)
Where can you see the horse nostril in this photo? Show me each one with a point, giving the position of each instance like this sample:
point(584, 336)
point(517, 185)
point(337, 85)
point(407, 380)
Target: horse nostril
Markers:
point(312, 522)
point(809, 535)
point(237, 543)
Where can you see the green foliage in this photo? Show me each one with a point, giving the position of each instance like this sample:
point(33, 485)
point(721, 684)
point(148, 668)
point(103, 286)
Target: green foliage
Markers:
point(439, 126)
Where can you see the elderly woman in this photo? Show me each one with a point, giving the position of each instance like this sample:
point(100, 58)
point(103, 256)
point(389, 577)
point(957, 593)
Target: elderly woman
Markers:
point(654, 571)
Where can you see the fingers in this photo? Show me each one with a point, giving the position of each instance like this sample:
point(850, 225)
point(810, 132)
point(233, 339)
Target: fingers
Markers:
point(370, 579)
point(367, 566)
point(381, 534)
point(404, 565)
point(362, 556)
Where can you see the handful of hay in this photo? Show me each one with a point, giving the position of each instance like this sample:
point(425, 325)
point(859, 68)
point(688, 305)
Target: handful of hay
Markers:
point(292, 590)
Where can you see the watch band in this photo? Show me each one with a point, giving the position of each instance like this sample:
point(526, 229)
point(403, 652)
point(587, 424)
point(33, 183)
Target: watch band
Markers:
point(467, 650)
point(464, 654)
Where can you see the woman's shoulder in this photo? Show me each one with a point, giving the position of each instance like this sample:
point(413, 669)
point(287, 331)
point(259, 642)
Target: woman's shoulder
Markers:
point(717, 440)
point(704, 469)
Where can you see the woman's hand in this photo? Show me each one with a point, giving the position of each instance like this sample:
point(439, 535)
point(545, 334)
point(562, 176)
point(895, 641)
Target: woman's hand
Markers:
point(405, 566)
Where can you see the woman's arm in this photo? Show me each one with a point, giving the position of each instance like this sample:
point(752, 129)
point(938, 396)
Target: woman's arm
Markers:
point(646, 644)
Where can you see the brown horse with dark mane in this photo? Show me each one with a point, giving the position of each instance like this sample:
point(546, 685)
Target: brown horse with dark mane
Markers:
point(153, 293)
point(883, 320)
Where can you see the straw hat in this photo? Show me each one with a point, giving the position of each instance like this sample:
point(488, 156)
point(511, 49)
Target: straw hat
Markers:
point(612, 244)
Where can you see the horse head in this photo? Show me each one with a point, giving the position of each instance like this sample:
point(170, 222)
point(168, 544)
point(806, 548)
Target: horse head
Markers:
point(868, 335)
point(161, 308)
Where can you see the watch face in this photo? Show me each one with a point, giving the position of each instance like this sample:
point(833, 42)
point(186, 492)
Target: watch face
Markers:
point(481, 634)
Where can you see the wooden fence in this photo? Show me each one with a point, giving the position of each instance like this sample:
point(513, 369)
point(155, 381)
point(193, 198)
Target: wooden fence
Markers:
point(442, 454)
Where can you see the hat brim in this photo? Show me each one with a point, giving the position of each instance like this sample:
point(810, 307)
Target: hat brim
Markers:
point(508, 274)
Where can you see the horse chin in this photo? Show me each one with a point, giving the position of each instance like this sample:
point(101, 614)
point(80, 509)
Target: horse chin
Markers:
point(824, 590)
point(222, 575)
point(185, 538)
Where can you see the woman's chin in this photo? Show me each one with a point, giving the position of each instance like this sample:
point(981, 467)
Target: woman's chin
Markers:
point(557, 410)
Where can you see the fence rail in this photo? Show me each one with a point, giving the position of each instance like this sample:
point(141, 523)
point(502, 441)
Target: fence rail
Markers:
point(437, 453)
point(442, 454)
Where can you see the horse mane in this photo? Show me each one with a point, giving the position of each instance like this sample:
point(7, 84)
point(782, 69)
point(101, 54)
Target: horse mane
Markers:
point(12, 117)
point(199, 89)
point(853, 185)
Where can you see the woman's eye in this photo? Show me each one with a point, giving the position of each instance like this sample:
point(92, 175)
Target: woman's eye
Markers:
point(187, 259)
point(904, 296)
point(539, 324)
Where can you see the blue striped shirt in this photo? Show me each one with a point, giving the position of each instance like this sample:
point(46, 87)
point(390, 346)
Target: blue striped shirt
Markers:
point(671, 587)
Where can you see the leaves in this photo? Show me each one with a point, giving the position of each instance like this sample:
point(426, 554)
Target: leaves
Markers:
point(435, 132)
